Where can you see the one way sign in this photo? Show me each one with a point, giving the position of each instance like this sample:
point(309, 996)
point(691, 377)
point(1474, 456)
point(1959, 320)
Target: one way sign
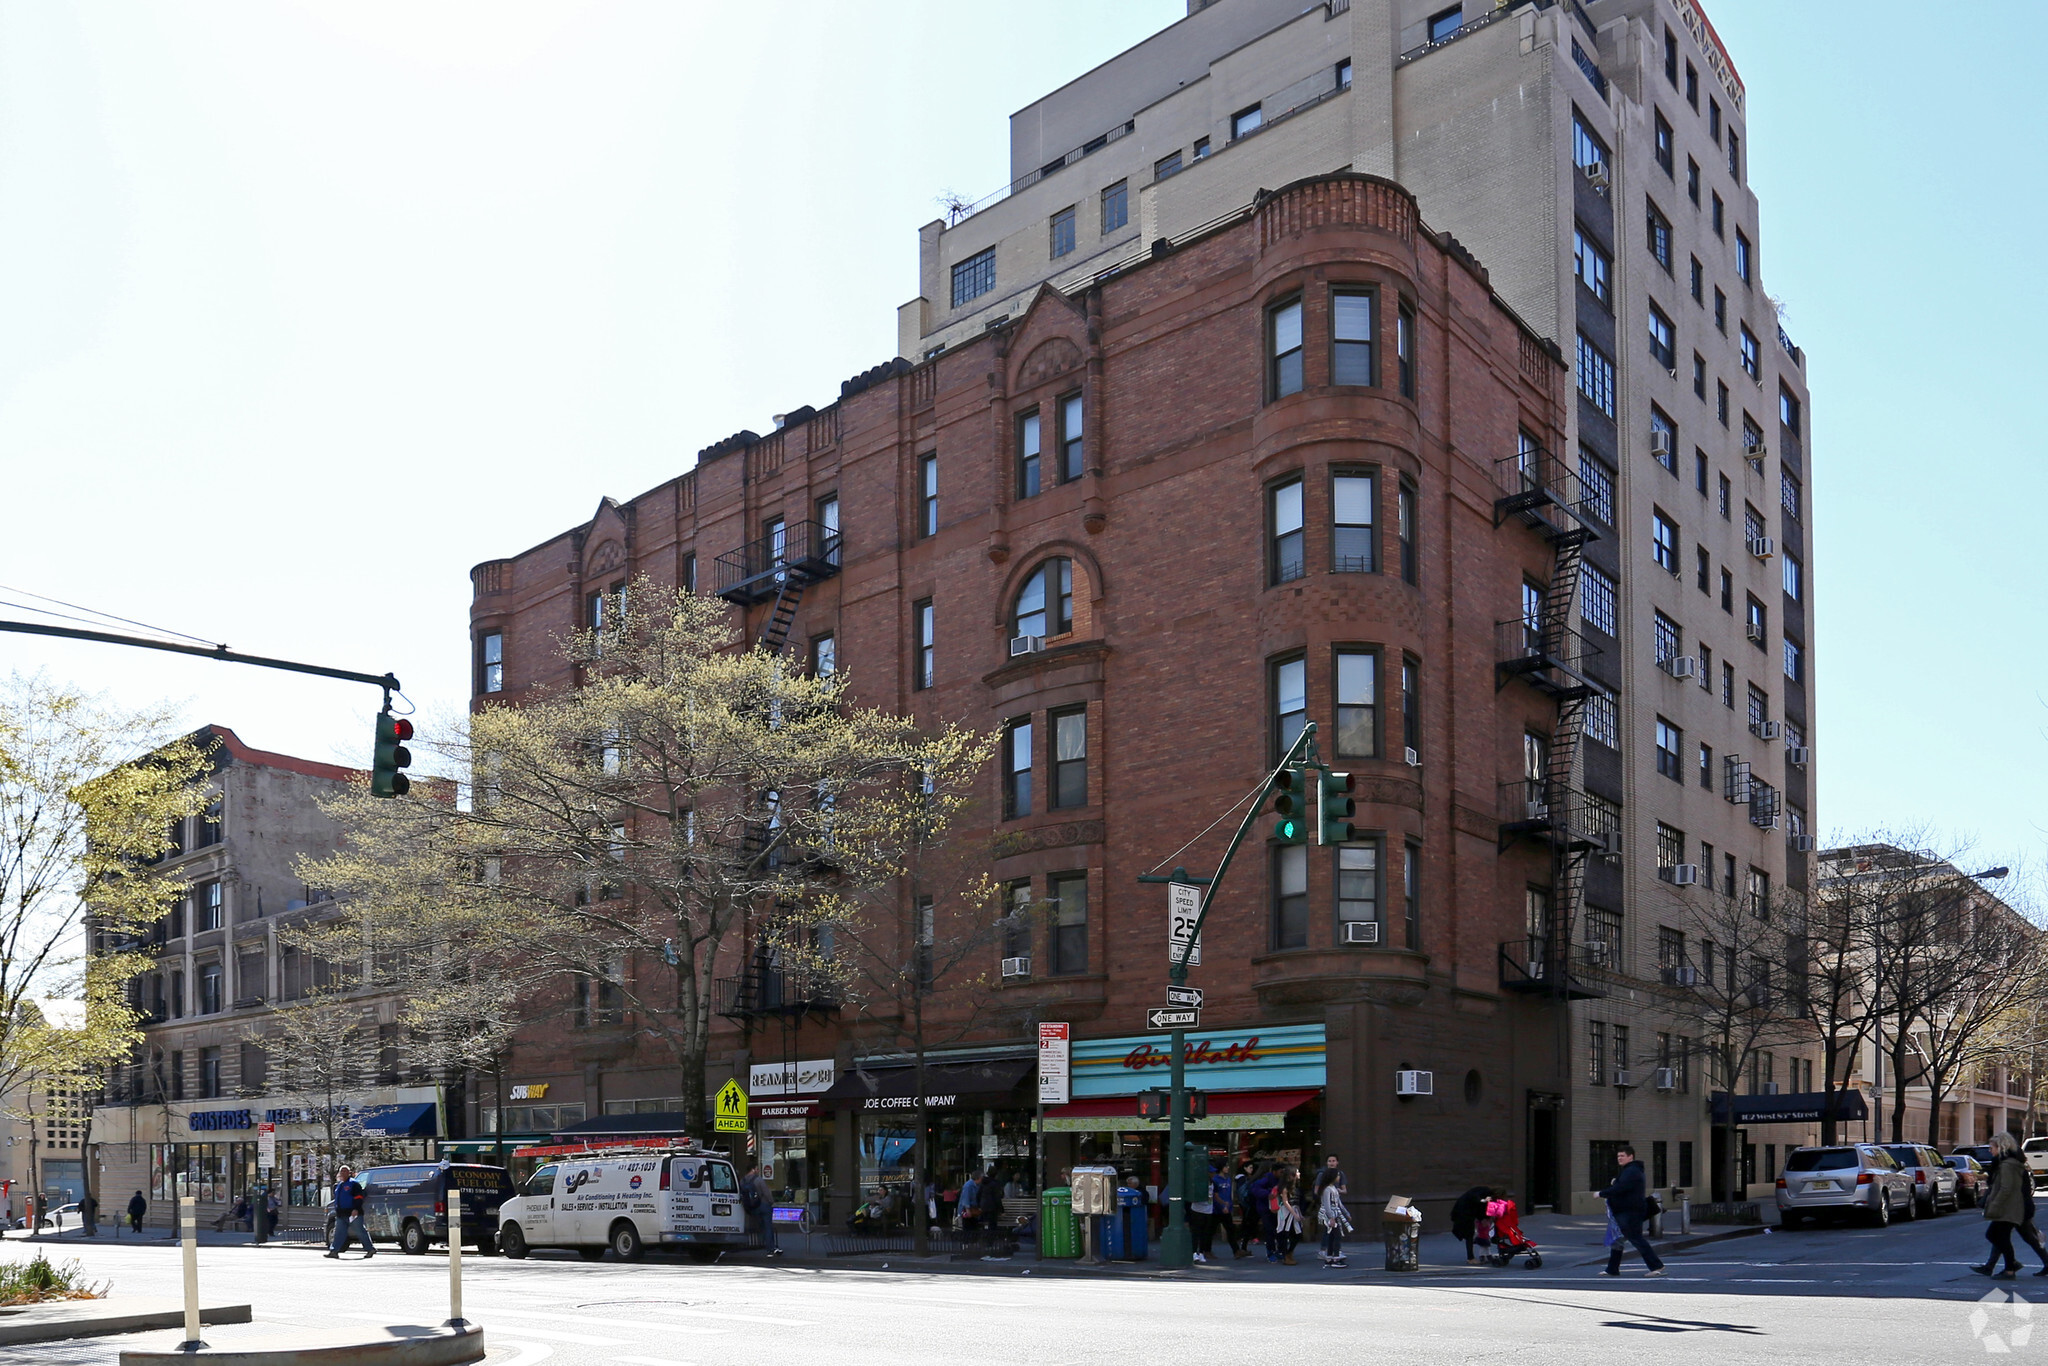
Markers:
point(1184, 996)
point(1173, 1018)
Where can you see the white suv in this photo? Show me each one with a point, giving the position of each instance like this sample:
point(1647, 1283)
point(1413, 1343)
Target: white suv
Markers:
point(2035, 1150)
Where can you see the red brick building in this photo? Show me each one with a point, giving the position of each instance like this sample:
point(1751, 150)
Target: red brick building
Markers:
point(1291, 466)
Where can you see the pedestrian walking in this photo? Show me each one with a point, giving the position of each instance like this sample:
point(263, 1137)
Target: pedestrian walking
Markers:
point(1223, 1204)
point(1287, 1225)
point(267, 1208)
point(990, 1198)
point(348, 1214)
point(969, 1207)
point(1628, 1204)
point(760, 1208)
point(2028, 1230)
point(1332, 1215)
point(1258, 1195)
point(1466, 1213)
point(137, 1207)
point(2005, 1206)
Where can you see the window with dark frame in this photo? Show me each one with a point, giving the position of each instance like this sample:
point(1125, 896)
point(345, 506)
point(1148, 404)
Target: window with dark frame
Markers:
point(1666, 639)
point(1351, 337)
point(1245, 122)
point(1756, 622)
point(1357, 686)
point(1353, 496)
point(1017, 768)
point(1663, 439)
point(1116, 207)
point(925, 917)
point(928, 494)
point(1290, 702)
point(1752, 354)
point(1411, 706)
point(1592, 264)
point(1404, 348)
point(1742, 257)
point(1444, 23)
point(1596, 484)
point(1718, 216)
point(690, 573)
point(1699, 282)
point(1067, 934)
point(1358, 885)
point(1045, 604)
point(1692, 181)
point(209, 910)
point(1657, 230)
point(1073, 431)
point(1721, 402)
point(1595, 375)
point(1664, 542)
point(1283, 349)
point(1702, 568)
point(1670, 742)
point(1699, 376)
point(1286, 559)
point(1029, 454)
point(1290, 896)
point(974, 277)
point(824, 656)
point(1017, 927)
point(1663, 340)
point(1692, 86)
point(491, 662)
point(1063, 232)
point(1670, 57)
point(1411, 893)
point(1665, 148)
point(1707, 767)
point(923, 646)
point(1406, 520)
point(1168, 165)
point(1714, 120)
point(1069, 757)
point(1597, 599)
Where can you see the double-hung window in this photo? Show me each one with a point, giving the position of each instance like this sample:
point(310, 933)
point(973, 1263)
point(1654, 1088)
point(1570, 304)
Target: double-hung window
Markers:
point(1116, 207)
point(491, 662)
point(1290, 702)
point(1283, 348)
point(1752, 354)
point(1029, 453)
point(923, 645)
point(1290, 896)
point(928, 495)
point(1663, 340)
point(1596, 484)
point(1072, 432)
point(1795, 661)
point(1663, 431)
point(1357, 704)
point(1404, 348)
point(1594, 267)
point(1742, 257)
point(1069, 930)
point(1063, 232)
point(1406, 518)
point(1351, 332)
point(1666, 150)
point(1670, 742)
point(1795, 578)
point(208, 910)
point(1359, 890)
point(1756, 622)
point(1017, 769)
point(1719, 216)
point(1664, 542)
point(1665, 637)
point(1069, 758)
point(1351, 523)
point(1411, 707)
point(1658, 234)
point(1286, 558)
point(1589, 153)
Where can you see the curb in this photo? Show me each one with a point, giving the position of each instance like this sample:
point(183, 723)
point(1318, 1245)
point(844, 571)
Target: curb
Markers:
point(1686, 1244)
point(442, 1346)
point(135, 1318)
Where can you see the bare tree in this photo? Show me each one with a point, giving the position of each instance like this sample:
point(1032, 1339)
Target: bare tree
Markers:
point(1839, 947)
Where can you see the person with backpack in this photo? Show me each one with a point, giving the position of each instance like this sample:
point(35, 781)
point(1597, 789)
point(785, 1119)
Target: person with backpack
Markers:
point(759, 1207)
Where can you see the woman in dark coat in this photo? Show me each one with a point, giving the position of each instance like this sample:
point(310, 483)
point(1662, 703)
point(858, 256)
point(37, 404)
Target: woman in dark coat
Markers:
point(2005, 1206)
point(1465, 1216)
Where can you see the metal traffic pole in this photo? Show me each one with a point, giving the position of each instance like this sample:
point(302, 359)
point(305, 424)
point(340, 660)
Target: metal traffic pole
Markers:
point(454, 1257)
point(188, 1234)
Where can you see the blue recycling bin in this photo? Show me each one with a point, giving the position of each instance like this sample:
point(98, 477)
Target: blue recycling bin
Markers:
point(1124, 1233)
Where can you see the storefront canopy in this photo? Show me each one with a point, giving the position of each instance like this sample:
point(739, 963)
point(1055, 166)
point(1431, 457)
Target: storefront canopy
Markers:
point(1802, 1107)
point(1227, 1110)
point(401, 1121)
point(946, 1085)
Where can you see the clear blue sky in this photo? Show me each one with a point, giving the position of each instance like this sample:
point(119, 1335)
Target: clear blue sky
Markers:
point(304, 309)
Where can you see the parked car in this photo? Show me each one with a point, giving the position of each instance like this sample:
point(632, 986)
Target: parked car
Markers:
point(1853, 1180)
point(1973, 1179)
point(684, 1199)
point(2035, 1150)
point(66, 1214)
point(1981, 1151)
point(1934, 1181)
point(408, 1204)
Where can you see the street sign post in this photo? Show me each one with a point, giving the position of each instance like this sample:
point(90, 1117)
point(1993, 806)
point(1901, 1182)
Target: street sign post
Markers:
point(266, 1146)
point(1183, 918)
point(1184, 996)
point(1173, 1017)
point(1055, 1065)
point(732, 1109)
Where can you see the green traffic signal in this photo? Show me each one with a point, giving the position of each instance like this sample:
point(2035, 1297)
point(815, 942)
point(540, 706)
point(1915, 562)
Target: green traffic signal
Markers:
point(391, 756)
point(1290, 804)
point(1334, 808)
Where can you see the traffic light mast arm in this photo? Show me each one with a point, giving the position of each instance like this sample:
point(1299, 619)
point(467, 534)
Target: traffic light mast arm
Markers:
point(1295, 755)
point(388, 682)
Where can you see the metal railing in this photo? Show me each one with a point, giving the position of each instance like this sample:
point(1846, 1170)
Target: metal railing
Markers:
point(959, 211)
point(1527, 647)
point(806, 551)
point(1590, 67)
point(1534, 963)
point(770, 991)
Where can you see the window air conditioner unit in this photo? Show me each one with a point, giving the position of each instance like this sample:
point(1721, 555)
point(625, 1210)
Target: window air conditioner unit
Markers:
point(1802, 844)
point(1681, 874)
point(1623, 1077)
point(1679, 666)
point(1596, 174)
point(1797, 755)
point(1537, 809)
point(1609, 842)
point(1763, 547)
point(1596, 949)
point(1016, 967)
point(1756, 631)
point(1768, 730)
point(1414, 759)
point(1026, 645)
point(1414, 1083)
point(1660, 442)
point(1667, 1079)
point(1361, 931)
point(1756, 452)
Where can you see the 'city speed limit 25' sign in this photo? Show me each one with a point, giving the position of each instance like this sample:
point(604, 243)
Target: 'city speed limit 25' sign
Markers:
point(1183, 910)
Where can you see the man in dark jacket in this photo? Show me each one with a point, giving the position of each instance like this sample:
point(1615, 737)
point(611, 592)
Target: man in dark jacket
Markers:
point(1628, 1201)
point(348, 1214)
point(1465, 1217)
point(137, 1207)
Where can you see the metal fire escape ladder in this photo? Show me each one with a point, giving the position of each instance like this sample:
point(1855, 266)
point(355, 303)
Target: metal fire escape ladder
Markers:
point(775, 631)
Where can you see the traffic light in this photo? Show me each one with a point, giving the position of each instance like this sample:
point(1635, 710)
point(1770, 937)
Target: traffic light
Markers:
point(1290, 804)
point(392, 755)
point(1334, 808)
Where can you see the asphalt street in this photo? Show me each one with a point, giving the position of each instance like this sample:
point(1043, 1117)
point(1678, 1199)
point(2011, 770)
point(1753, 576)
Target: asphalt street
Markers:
point(1831, 1295)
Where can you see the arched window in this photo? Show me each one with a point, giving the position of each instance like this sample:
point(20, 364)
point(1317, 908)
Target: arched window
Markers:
point(1045, 605)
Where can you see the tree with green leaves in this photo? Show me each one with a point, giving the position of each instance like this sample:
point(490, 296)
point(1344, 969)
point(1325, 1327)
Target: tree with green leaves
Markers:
point(618, 836)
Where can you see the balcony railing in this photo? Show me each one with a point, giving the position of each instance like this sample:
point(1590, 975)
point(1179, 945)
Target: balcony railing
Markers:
point(1556, 661)
point(1536, 807)
point(770, 991)
point(800, 553)
point(1540, 487)
point(1535, 966)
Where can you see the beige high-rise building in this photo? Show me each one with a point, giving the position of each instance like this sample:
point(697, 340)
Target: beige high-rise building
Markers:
point(1595, 158)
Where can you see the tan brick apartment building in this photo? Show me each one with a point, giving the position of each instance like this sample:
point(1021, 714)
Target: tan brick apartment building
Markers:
point(1287, 467)
point(1594, 155)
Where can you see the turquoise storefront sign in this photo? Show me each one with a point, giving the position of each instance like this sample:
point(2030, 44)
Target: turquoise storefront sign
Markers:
point(1290, 1056)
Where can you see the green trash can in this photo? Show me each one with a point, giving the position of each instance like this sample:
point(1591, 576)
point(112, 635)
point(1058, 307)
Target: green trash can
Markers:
point(1058, 1234)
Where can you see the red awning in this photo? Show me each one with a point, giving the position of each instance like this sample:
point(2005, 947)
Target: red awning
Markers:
point(1220, 1103)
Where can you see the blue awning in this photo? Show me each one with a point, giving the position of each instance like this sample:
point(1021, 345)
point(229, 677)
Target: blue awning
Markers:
point(421, 1120)
point(1802, 1107)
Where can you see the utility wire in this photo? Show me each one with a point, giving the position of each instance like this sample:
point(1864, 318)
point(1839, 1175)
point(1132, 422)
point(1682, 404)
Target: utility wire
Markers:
point(1252, 795)
point(109, 616)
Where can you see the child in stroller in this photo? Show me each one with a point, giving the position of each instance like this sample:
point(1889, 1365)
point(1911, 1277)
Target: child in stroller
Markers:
point(1509, 1242)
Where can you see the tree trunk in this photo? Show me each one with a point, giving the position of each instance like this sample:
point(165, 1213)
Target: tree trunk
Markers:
point(1829, 1050)
point(1899, 1091)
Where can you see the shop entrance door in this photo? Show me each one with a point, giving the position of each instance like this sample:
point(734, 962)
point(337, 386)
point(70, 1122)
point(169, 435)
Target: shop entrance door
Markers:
point(1544, 1108)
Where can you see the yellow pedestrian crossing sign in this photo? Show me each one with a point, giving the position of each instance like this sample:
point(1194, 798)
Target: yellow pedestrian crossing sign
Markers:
point(732, 1109)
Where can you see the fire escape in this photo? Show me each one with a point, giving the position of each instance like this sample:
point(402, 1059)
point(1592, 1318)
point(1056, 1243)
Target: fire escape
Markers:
point(778, 568)
point(1542, 650)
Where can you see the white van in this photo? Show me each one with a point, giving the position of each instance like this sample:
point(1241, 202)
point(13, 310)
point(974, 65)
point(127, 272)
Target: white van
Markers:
point(687, 1200)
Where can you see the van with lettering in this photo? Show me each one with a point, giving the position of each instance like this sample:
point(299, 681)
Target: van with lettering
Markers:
point(627, 1201)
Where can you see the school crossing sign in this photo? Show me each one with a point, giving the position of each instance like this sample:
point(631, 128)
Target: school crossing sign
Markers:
point(731, 1110)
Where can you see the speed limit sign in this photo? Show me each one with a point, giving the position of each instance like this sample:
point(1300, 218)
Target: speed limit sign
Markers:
point(1183, 910)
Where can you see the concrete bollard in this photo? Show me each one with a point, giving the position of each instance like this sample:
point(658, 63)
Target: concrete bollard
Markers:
point(188, 1235)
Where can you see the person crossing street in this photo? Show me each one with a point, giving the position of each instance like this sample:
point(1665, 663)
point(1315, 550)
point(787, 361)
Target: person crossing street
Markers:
point(348, 1213)
point(1628, 1203)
